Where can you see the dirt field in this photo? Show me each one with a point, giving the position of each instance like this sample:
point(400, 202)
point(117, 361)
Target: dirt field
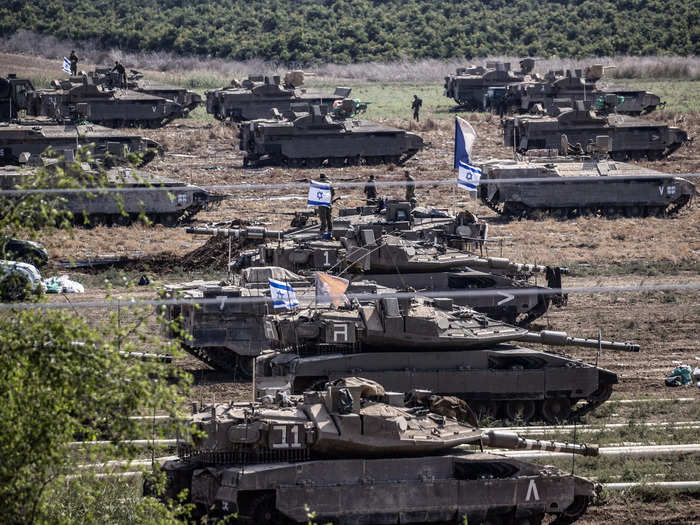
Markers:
point(600, 252)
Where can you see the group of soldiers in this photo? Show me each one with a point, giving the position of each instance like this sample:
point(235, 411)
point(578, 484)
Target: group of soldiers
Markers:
point(118, 68)
point(370, 190)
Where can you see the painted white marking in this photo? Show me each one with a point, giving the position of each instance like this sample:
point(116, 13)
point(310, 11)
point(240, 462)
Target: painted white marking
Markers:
point(507, 298)
point(340, 330)
point(532, 491)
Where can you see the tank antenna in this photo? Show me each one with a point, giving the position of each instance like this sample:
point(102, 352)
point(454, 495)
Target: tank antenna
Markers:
point(600, 348)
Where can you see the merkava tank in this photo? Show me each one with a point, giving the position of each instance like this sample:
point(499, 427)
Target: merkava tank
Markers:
point(631, 138)
point(545, 94)
point(255, 97)
point(310, 136)
point(187, 99)
point(349, 457)
point(470, 86)
point(161, 200)
point(407, 342)
point(34, 137)
point(581, 185)
point(226, 331)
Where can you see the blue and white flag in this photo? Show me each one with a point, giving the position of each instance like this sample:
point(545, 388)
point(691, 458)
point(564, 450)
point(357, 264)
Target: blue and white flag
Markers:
point(468, 176)
point(319, 194)
point(66, 65)
point(283, 295)
point(464, 140)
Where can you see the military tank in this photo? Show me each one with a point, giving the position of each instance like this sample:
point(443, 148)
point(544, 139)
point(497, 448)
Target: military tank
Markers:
point(310, 136)
point(255, 97)
point(546, 94)
point(470, 86)
point(34, 137)
point(187, 99)
point(631, 138)
point(229, 332)
point(125, 194)
point(409, 342)
point(348, 457)
point(79, 98)
point(574, 186)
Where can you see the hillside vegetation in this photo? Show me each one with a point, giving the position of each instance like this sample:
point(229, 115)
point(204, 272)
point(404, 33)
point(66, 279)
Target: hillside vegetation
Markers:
point(345, 31)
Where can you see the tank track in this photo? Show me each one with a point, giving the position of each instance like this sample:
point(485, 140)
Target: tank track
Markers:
point(592, 402)
point(220, 359)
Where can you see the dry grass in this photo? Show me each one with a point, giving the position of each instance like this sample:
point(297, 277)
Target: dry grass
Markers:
point(202, 72)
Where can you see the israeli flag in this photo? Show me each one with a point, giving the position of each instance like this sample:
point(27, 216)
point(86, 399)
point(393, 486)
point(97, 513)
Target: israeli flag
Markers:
point(319, 194)
point(464, 140)
point(283, 295)
point(468, 176)
point(66, 65)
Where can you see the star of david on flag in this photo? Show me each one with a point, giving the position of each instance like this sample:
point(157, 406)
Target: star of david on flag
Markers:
point(467, 175)
point(283, 295)
point(66, 65)
point(319, 194)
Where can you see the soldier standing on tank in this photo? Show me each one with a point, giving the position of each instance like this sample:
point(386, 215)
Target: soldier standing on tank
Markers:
point(410, 186)
point(417, 103)
point(73, 63)
point(121, 73)
point(371, 192)
point(326, 212)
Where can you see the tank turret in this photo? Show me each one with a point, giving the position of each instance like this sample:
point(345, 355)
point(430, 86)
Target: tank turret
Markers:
point(344, 452)
point(415, 342)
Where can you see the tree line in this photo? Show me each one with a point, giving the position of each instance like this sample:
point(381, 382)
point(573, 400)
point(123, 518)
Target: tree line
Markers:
point(305, 32)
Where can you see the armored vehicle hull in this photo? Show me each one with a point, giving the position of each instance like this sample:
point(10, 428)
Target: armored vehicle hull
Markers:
point(504, 381)
point(470, 86)
point(312, 139)
point(35, 137)
point(631, 138)
point(571, 187)
point(258, 96)
point(171, 202)
point(337, 490)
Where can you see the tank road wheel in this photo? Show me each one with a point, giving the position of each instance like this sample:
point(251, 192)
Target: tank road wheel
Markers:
point(556, 409)
point(610, 212)
point(153, 123)
point(263, 510)
point(336, 162)
point(520, 410)
point(353, 161)
point(535, 519)
point(573, 511)
point(314, 163)
point(485, 410)
point(634, 211)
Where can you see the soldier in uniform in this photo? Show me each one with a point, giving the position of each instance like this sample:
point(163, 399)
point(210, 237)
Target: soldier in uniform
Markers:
point(417, 103)
point(121, 73)
point(73, 63)
point(370, 192)
point(410, 186)
point(326, 212)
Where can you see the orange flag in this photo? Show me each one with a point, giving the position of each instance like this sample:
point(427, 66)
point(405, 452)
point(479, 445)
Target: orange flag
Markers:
point(331, 289)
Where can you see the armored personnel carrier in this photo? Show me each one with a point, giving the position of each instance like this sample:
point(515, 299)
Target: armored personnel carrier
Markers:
point(79, 98)
point(255, 97)
point(631, 138)
point(309, 137)
point(547, 93)
point(569, 187)
point(409, 342)
point(187, 99)
point(35, 137)
point(162, 200)
point(348, 457)
point(470, 86)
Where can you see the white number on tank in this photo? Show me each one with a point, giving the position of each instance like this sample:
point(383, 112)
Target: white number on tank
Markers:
point(327, 263)
point(182, 198)
point(670, 190)
point(283, 443)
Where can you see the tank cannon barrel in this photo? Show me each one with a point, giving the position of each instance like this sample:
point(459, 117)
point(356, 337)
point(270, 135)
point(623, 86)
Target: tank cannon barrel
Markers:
point(551, 337)
point(500, 263)
point(239, 233)
point(511, 440)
